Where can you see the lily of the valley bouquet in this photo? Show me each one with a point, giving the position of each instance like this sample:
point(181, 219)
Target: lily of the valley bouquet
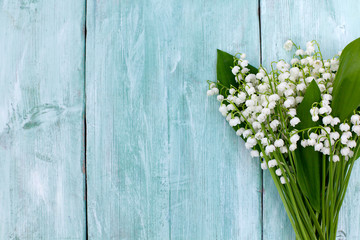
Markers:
point(301, 119)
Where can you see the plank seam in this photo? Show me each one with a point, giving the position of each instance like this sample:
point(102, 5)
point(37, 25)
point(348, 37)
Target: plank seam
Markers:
point(259, 15)
point(262, 172)
point(85, 125)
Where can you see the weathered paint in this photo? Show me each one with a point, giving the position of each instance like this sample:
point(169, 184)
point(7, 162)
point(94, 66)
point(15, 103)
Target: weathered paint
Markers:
point(215, 187)
point(41, 102)
point(333, 25)
point(162, 162)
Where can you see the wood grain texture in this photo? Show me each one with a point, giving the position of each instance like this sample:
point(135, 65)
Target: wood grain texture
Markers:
point(162, 162)
point(41, 102)
point(333, 24)
point(127, 123)
point(215, 187)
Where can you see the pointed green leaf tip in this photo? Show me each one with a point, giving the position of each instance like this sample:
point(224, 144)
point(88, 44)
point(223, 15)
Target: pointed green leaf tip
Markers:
point(346, 87)
point(308, 162)
point(225, 77)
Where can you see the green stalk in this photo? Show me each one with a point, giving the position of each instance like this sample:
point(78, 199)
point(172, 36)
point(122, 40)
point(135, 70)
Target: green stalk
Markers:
point(328, 200)
point(323, 195)
point(299, 201)
point(334, 210)
point(346, 183)
point(306, 210)
point(303, 228)
point(316, 223)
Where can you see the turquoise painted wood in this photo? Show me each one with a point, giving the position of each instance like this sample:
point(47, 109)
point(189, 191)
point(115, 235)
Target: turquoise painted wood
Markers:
point(41, 119)
point(162, 163)
point(127, 163)
point(333, 24)
point(215, 187)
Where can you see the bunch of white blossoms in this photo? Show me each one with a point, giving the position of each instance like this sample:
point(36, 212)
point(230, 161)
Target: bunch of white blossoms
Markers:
point(262, 109)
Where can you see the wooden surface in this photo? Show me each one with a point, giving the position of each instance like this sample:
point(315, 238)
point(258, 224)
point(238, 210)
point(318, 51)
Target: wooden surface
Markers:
point(161, 162)
point(41, 120)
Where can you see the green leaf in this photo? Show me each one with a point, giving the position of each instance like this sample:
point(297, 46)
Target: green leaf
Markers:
point(226, 79)
point(308, 162)
point(312, 95)
point(346, 87)
point(308, 173)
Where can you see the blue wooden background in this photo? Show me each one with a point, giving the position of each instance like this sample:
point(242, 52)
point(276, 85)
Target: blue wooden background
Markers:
point(106, 131)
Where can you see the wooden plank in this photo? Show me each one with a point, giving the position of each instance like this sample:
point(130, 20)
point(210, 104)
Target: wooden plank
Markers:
point(41, 124)
point(127, 122)
point(215, 187)
point(162, 162)
point(332, 24)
